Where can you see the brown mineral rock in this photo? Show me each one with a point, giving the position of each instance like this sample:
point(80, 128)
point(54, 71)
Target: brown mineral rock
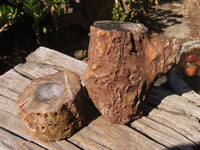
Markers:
point(192, 58)
point(123, 64)
point(52, 106)
point(190, 71)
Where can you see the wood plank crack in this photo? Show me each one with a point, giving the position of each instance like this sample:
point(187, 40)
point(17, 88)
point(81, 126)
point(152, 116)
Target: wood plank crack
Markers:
point(20, 139)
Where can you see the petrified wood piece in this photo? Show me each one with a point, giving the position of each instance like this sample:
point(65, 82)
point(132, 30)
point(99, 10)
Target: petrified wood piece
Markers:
point(123, 64)
point(52, 106)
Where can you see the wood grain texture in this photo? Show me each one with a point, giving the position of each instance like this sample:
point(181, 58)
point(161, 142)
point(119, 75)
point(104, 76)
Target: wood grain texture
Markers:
point(189, 96)
point(192, 97)
point(88, 138)
point(9, 141)
point(14, 81)
point(188, 127)
point(175, 104)
point(162, 134)
point(9, 106)
point(34, 70)
point(180, 123)
point(113, 136)
point(7, 93)
point(58, 61)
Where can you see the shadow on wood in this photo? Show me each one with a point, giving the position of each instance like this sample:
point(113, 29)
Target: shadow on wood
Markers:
point(91, 111)
point(185, 147)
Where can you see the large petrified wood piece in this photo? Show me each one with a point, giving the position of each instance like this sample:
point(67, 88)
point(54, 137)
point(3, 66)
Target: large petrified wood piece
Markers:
point(123, 64)
point(52, 106)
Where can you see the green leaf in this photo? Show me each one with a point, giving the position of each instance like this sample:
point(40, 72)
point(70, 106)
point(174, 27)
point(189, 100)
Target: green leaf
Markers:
point(58, 10)
point(13, 15)
point(7, 12)
point(34, 8)
point(120, 9)
point(116, 5)
point(137, 21)
point(15, 2)
point(114, 11)
point(44, 30)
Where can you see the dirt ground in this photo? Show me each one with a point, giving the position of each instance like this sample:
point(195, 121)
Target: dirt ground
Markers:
point(172, 21)
point(168, 20)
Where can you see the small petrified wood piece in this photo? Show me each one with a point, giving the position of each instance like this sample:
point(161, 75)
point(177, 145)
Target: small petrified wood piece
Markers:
point(52, 106)
point(123, 64)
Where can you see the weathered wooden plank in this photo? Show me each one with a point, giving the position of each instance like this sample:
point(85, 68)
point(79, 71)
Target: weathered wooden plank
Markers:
point(86, 138)
point(14, 81)
point(8, 93)
point(189, 96)
point(113, 136)
point(12, 142)
point(87, 143)
point(77, 138)
point(192, 97)
point(58, 60)
point(14, 124)
point(34, 70)
point(161, 133)
point(188, 127)
point(50, 56)
point(96, 135)
point(175, 104)
point(9, 106)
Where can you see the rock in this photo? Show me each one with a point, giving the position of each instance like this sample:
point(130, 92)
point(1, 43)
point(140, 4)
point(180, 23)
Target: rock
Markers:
point(192, 58)
point(197, 63)
point(123, 64)
point(175, 77)
point(52, 106)
point(190, 71)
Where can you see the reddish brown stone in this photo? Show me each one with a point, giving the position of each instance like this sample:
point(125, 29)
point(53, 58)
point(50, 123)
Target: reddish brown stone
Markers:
point(123, 63)
point(52, 106)
point(192, 58)
point(190, 71)
point(197, 63)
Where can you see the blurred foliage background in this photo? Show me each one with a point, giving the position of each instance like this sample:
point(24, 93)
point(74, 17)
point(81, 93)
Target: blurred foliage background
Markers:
point(27, 24)
point(131, 10)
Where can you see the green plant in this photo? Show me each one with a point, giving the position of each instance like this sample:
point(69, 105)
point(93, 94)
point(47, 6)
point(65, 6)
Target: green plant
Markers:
point(34, 8)
point(131, 9)
point(12, 10)
point(58, 6)
point(7, 16)
point(118, 12)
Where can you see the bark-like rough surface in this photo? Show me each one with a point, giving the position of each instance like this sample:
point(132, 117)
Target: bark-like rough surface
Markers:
point(52, 106)
point(123, 64)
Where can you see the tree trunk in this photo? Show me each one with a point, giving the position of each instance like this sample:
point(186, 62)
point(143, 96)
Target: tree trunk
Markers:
point(52, 106)
point(123, 64)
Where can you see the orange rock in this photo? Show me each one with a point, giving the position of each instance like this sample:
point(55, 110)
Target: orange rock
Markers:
point(192, 58)
point(197, 63)
point(190, 71)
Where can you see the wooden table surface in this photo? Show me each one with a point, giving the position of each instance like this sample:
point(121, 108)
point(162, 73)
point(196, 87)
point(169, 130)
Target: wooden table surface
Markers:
point(170, 122)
